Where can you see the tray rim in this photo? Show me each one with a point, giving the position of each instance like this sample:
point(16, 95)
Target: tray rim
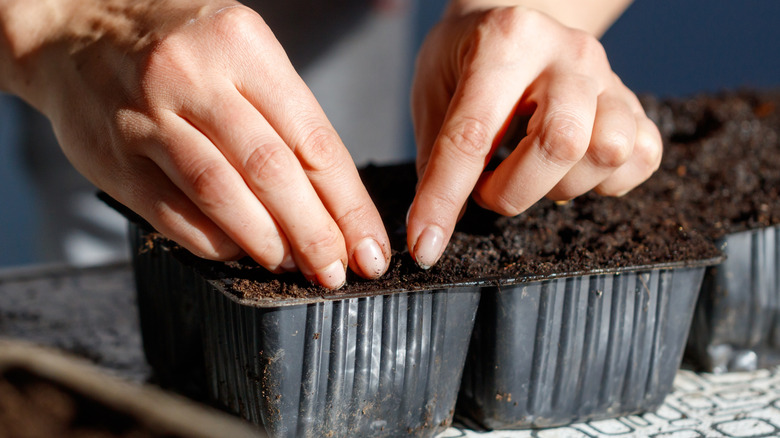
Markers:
point(464, 286)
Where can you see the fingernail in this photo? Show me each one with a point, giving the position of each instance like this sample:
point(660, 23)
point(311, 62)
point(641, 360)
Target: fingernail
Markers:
point(288, 264)
point(334, 276)
point(429, 246)
point(370, 258)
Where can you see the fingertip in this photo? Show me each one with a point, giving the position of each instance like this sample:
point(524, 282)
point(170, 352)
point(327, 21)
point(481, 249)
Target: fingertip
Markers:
point(370, 259)
point(333, 277)
point(428, 247)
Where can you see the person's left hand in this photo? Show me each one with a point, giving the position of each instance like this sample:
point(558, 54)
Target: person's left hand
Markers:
point(478, 70)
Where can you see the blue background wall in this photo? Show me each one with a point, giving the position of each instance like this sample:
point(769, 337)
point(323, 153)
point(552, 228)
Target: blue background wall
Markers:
point(681, 47)
point(17, 210)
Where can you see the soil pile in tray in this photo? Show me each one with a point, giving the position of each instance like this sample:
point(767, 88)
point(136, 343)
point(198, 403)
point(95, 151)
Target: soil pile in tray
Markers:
point(721, 161)
point(33, 407)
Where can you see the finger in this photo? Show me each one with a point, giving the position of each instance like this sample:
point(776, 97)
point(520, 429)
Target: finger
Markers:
point(327, 165)
point(277, 179)
point(205, 176)
point(645, 160)
point(611, 145)
point(480, 107)
point(153, 196)
point(558, 136)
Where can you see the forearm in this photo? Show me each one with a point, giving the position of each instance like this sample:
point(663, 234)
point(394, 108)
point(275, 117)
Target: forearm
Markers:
point(593, 16)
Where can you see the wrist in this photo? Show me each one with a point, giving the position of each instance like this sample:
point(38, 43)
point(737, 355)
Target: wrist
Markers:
point(593, 16)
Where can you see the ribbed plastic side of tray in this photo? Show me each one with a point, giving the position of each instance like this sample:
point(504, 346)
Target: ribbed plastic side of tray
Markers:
point(169, 314)
point(376, 366)
point(737, 322)
point(591, 347)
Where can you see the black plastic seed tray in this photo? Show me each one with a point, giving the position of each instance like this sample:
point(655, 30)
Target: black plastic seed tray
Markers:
point(577, 348)
point(737, 321)
point(545, 351)
point(383, 365)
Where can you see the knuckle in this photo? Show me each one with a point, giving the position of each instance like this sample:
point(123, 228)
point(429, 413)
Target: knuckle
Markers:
point(207, 182)
point(511, 20)
point(611, 150)
point(170, 65)
point(355, 215)
point(323, 242)
point(319, 150)
point(505, 25)
point(501, 20)
point(167, 57)
point(469, 138)
point(239, 21)
point(564, 140)
point(269, 163)
point(586, 48)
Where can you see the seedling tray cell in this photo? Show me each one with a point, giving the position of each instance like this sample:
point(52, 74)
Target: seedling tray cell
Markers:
point(379, 365)
point(553, 352)
point(737, 326)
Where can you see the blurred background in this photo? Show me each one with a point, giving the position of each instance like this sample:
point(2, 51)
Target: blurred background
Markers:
point(665, 47)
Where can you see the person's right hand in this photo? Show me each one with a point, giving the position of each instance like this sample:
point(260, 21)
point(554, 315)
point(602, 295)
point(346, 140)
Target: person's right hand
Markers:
point(481, 67)
point(190, 113)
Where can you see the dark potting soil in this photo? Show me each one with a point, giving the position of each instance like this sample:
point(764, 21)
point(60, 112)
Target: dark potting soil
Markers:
point(589, 233)
point(720, 174)
point(34, 407)
point(721, 160)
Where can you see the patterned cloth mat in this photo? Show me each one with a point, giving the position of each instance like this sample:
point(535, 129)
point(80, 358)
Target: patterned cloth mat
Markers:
point(745, 404)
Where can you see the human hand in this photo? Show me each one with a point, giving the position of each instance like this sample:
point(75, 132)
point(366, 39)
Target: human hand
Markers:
point(189, 113)
point(475, 72)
